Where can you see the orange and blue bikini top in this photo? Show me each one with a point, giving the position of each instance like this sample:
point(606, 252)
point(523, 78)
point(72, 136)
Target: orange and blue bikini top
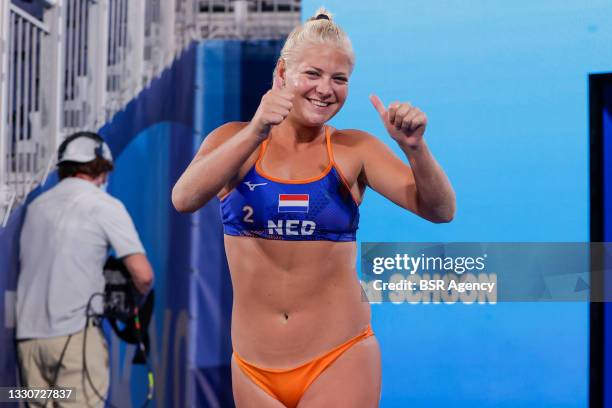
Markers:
point(320, 208)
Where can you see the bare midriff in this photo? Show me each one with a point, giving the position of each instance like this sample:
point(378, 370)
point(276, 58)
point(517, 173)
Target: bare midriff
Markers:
point(293, 300)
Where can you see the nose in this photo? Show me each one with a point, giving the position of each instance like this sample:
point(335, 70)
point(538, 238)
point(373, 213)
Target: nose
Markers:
point(324, 89)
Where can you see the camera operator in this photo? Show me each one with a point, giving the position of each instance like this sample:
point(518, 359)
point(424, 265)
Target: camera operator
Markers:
point(64, 243)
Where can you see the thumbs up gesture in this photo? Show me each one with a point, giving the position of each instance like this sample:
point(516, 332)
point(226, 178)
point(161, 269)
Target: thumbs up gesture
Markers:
point(404, 122)
point(274, 107)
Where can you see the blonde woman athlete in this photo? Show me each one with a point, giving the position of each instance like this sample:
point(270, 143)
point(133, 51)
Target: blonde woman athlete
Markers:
point(290, 188)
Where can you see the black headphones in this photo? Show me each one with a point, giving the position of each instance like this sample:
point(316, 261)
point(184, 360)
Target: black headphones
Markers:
point(98, 151)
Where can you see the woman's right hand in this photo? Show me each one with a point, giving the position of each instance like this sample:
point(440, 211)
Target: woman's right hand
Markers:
point(274, 107)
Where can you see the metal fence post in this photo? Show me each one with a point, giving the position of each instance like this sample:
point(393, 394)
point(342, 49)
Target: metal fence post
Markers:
point(136, 32)
point(52, 77)
point(97, 55)
point(5, 193)
point(168, 17)
point(4, 85)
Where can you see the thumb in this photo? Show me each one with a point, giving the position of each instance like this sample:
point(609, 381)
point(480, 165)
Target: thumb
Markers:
point(378, 105)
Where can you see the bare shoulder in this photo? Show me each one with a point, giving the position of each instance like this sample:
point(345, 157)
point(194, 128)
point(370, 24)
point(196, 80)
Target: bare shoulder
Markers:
point(369, 150)
point(351, 137)
point(356, 140)
point(219, 136)
point(230, 128)
point(350, 151)
point(225, 132)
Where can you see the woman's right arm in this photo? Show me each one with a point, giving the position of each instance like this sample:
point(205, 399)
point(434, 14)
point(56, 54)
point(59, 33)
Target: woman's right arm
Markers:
point(217, 162)
point(226, 149)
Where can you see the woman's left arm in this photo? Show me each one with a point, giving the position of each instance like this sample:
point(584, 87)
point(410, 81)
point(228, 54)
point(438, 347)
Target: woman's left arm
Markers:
point(423, 187)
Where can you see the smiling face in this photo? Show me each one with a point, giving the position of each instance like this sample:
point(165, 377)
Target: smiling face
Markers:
point(319, 79)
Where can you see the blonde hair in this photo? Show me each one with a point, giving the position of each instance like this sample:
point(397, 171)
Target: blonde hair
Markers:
point(318, 29)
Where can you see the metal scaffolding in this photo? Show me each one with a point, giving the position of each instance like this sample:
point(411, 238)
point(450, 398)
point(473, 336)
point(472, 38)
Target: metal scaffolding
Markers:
point(247, 19)
point(82, 61)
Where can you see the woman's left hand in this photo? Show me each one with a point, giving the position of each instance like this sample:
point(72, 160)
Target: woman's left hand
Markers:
point(404, 122)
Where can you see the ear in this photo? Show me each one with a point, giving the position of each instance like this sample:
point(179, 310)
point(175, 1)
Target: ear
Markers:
point(281, 70)
point(101, 179)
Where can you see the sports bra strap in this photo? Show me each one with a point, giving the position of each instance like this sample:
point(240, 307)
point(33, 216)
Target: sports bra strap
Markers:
point(329, 146)
point(262, 149)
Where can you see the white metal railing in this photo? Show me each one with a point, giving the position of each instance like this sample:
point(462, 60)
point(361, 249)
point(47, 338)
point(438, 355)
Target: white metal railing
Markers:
point(86, 59)
point(247, 19)
point(74, 70)
point(23, 55)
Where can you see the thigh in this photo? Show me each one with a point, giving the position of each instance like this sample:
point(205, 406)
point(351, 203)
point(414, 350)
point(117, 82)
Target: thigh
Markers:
point(352, 381)
point(247, 394)
point(73, 374)
point(30, 362)
point(32, 367)
point(40, 361)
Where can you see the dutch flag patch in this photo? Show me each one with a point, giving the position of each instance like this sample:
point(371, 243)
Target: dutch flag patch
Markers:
point(293, 203)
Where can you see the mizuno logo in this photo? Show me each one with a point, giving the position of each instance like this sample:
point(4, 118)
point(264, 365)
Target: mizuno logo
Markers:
point(252, 186)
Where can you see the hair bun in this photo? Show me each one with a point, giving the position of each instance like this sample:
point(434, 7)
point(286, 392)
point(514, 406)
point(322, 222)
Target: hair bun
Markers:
point(321, 14)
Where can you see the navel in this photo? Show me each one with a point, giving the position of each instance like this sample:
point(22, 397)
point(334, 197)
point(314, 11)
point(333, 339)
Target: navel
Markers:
point(285, 317)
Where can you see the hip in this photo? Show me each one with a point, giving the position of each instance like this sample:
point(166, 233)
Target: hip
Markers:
point(280, 338)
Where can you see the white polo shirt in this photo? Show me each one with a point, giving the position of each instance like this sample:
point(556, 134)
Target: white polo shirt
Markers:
point(64, 244)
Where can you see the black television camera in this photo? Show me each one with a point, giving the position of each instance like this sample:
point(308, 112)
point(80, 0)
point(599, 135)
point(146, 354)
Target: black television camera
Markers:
point(128, 312)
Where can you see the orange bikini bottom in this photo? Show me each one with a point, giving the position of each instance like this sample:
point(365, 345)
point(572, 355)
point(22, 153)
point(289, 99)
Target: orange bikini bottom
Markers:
point(288, 385)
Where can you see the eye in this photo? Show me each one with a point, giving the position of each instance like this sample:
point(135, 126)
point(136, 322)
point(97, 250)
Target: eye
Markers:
point(312, 74)
point(341, 80)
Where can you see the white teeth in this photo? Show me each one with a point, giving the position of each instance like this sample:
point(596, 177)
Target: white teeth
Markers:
point(319, 103)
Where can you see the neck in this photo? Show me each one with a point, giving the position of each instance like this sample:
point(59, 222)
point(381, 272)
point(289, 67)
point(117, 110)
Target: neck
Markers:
point(296, 134)
point(86, 177)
